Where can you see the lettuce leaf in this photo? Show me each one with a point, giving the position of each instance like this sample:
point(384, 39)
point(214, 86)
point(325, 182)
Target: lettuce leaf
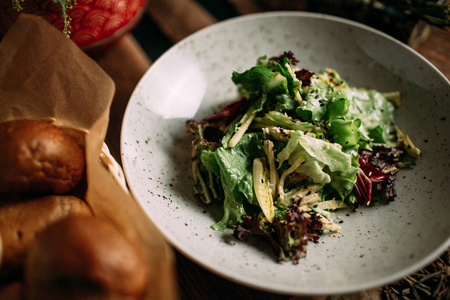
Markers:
point(275, 118)
point(316, 101)
point(325, 162)
point(261, 79)
point(343, 182)
point(274, 79)
point(375, 111)
point(346, 132)
point(233, 166)
point(328, 153)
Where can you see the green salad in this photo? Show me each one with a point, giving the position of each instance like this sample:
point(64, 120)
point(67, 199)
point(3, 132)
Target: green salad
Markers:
point(293, 148)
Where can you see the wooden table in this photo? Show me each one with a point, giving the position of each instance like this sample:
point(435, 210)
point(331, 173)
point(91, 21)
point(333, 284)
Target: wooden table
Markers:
point(164, 23)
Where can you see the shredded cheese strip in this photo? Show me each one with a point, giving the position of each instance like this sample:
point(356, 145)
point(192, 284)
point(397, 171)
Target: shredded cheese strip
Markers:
point(281, 195)
point(327, 224)
point(204, 187)
point(279, 133)
point(328, 204)
point(299, 194)
point(309, 199)
point(320, 211)
point(241, 131)
point(332, 204)
point(273, 174)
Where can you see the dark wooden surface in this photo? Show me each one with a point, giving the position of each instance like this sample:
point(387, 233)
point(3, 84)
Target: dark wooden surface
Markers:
point(164, 23)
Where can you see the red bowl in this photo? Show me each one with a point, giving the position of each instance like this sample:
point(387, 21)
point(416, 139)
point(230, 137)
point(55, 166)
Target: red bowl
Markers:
point(95, 25)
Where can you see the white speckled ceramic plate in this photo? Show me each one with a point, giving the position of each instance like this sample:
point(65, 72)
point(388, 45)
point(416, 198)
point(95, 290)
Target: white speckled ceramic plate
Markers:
point(377, 245)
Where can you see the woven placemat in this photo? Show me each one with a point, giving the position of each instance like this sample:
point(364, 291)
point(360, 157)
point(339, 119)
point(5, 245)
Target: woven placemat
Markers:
point(431, 282)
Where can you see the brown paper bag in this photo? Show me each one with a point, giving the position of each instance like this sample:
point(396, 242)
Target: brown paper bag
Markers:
point(44, 75)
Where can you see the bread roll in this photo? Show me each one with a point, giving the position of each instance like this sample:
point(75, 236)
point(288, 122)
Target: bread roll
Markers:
point(20, 222)
point(85, 258)
point(38, 157)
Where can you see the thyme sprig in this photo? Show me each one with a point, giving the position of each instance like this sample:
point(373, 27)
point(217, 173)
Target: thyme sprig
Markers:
point(65, 5)
point(16, 5)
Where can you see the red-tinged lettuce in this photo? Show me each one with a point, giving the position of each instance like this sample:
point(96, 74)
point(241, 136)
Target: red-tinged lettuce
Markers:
point(289, 55)
point(252, 225)
point(288, 237)
point(304, 76)
point(386, 160)
point(382, 157)
point(228, 112)
point(366, 176)
point(204, 136)
point(374, 174)
point(363, 188)
point(377, 175)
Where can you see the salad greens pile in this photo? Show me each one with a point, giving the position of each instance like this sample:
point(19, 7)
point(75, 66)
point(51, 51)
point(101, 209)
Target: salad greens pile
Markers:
point(293, 148)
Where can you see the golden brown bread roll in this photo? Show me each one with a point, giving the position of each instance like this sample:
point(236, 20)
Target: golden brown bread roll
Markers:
point(85, 258)
point(38, 157)
point(20, 222)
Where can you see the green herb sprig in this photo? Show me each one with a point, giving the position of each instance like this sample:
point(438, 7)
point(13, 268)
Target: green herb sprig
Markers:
point(65, 5)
